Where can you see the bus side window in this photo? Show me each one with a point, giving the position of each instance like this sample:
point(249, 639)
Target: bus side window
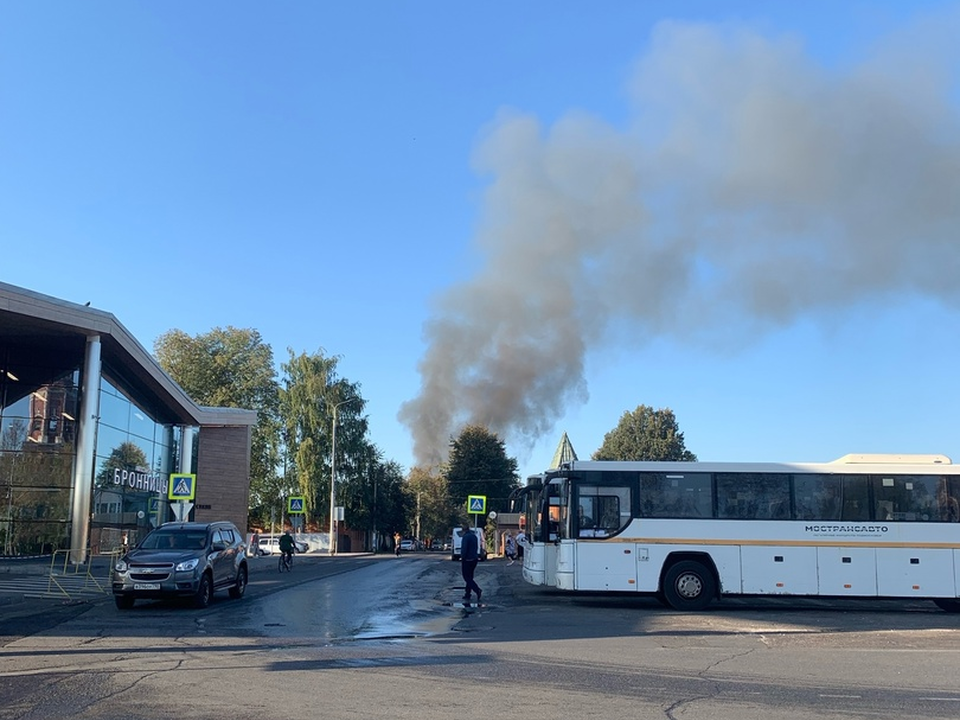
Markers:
point(604, 511)
point(675, 495)
point(610, 519)
point(817, 497)
point(587, 515)
point(948, 506)
point(753, 496)
point(856, 498)
point(614, 507)
point(779, 509)
point(909, 498)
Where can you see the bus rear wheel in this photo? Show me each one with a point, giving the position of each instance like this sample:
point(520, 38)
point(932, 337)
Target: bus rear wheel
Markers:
point(688, 585)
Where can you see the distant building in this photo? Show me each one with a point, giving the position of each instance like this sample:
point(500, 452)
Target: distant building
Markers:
point(564, 453)
point(91, 428)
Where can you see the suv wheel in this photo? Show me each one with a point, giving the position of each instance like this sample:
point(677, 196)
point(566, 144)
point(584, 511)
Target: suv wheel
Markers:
point(236, 592)
point(204, 594)
point(124, 602)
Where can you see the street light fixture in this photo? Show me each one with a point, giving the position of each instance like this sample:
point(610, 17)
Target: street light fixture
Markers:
point(333, 477)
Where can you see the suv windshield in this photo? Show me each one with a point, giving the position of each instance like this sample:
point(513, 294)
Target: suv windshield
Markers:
point(174, 541)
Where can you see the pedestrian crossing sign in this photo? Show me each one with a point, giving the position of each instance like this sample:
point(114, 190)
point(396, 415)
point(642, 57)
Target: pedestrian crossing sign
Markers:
point(182, 487)
point(296, 505)
point(476, 504)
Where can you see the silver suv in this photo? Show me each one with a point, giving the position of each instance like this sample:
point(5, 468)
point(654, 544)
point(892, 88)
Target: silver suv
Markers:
point(190, 560)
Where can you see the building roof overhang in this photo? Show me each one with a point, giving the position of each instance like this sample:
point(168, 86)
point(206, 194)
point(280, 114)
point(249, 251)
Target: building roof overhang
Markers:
point(50, 327)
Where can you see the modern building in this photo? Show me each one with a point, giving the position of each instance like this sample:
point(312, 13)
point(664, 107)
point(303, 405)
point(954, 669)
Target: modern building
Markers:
point(91, 430)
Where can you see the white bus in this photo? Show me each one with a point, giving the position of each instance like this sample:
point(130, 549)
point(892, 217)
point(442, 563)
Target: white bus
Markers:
point(861, 526)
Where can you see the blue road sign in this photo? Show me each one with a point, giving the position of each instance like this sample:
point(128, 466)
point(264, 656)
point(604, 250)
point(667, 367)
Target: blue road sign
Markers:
point(182, 487)
point(296, 505)
point(476, 504)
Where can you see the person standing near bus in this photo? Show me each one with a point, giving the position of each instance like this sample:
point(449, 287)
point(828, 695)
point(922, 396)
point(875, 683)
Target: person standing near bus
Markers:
point(510, 548)
point(469, 557)
point(521, 541)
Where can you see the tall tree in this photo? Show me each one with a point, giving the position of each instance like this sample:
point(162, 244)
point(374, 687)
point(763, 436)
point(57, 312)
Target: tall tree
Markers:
point(479, 465)
point(645, 434)
point(126, 456)
point(312, 397)
point(374, 499)
point(434, 513)
point(393, 503)
point(231, 367)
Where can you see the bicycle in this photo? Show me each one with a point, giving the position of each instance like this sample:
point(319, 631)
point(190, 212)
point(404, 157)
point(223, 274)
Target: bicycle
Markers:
point(285, 563)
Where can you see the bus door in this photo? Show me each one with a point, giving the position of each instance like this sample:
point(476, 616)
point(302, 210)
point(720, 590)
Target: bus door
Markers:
point(526, 502)
point(552, 531)
point(603, 561)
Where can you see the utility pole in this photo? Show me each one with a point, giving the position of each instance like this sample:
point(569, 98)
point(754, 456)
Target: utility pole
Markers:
point(333, 477)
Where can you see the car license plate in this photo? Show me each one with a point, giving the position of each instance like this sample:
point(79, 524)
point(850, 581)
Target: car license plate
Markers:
point(146, 586)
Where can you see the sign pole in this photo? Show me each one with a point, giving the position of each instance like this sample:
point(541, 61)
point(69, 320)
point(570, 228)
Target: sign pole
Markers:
point(296, 508)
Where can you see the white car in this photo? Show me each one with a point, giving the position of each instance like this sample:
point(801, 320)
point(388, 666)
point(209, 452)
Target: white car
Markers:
point(457, 540)
point(271, 546)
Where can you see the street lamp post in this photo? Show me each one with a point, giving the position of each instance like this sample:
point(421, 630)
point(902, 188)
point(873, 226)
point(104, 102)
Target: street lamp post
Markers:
point(333, 477)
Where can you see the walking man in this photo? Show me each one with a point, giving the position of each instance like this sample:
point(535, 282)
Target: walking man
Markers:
point(510, 548)
point(469, 557)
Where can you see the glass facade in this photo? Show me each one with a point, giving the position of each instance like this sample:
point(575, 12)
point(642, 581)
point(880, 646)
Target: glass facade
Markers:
point(37, 426)
point(134, 456)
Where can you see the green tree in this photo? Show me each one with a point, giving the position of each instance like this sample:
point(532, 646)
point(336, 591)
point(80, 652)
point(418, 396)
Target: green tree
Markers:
point(374, 499)
point(393, 504)
point(35, 484)
point(479, 465)
point(312, 393)
point(126, 456)
point(14, 435)
point(645, 434)
point(231, 367)
point(434, 513)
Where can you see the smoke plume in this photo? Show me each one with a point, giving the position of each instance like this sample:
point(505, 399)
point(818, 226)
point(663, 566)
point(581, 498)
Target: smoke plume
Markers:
point(751, 187)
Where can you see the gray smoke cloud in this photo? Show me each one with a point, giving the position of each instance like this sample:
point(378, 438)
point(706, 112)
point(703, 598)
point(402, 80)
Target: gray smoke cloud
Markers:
point(753, 186)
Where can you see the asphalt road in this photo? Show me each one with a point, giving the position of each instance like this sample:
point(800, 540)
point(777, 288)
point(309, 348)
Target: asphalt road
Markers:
point(385, 637)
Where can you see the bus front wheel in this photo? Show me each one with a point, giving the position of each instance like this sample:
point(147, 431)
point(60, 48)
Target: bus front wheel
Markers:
point(688, 585)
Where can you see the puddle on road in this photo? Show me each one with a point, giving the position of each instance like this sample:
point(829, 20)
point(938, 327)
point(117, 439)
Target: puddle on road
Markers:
point(420, 619)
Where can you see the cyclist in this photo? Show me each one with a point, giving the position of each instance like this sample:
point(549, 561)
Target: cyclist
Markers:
point(287, 546)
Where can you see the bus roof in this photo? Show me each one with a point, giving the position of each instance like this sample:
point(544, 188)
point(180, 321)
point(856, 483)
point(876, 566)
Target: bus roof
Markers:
point(852, 464)
point(880, 459)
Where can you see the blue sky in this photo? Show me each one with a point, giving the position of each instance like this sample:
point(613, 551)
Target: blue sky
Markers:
point(536, 215)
